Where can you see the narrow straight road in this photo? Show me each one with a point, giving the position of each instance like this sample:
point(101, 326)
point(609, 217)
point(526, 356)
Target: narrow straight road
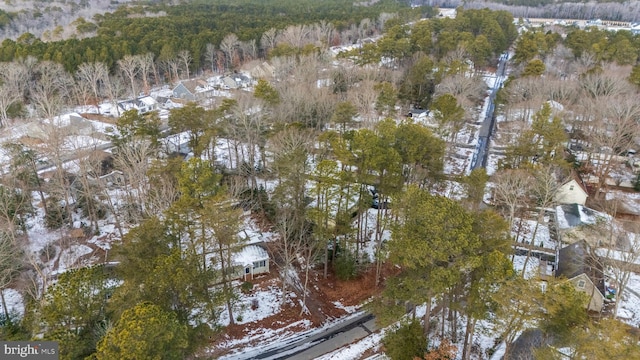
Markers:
point(318, 343)
point(486, 129)
point(337, 341)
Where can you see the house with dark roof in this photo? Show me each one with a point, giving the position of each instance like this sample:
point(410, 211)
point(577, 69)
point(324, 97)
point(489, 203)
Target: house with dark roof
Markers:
point(192, 90)
point(583, 268)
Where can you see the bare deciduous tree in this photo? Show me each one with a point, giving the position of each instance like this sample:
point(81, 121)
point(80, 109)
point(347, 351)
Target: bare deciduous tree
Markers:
point(249, 50)
point(130, 67)
point(17, 74)
point(250, 127)
point(323, 31)
point(210, 56)
point(288, 246)
point(170, 67)
point(184, 57)
point(544, 190)
point(50, 91)
point(114, 88)
point(609, 82)
point(468, 90)
point(93, 75)
point(611, 133)
point(526, 96)
point(7, 98)
point(10, 264)
point(295, 36)
point(626, 256)
point(162, 193)
point(14, 77)
point(59, 187)
point(229, 46)
point(364, 28)
point(133, 161)
point(82, 94)
point(268, 40)
point(146, 63)
point(364, 98)
point(512, 190)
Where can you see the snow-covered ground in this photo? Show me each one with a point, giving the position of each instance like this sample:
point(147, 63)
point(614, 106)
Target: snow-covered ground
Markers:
point(629, 307)
point(525, 230)
point(458, 161)
point(268, 298)
point(533, 266)
point(357, 349)
point(15, 304)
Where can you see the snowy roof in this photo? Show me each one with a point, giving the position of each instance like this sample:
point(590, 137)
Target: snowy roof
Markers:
point(195, 85)
point(148, 100)
point(249, 254)
point(572, 215)
point(62, 120)
point(138, 103)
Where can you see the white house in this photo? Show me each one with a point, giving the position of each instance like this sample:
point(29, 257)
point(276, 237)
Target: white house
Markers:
point(250, 261)
point(142, 105)
point(572, 192)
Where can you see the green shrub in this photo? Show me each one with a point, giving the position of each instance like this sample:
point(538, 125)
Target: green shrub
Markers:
point(257, 201)
point(246, 287)
point(345, 265)
point(56, 214)
point(405, 342)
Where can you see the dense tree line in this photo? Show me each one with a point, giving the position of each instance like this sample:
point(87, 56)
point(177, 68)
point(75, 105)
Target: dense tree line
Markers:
point(129, 31)
point(605, 10)
point(430, 51)
point(50, 19)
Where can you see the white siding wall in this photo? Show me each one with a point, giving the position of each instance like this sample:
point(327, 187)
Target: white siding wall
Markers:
point(571, 193)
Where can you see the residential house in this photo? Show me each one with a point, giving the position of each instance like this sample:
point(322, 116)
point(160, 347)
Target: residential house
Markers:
point(416, 113)
point(236, 81)
point(114, 178)
point(250, 261)
point(69, 124)
point(572, 191)
point(259, 70)
point(583, 268)
point(142, 104)
point(229, 83)
point(193, 90)
point(104, 172)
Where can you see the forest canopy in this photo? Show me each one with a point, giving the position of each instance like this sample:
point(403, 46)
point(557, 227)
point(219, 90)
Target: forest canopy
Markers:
point(166, 30)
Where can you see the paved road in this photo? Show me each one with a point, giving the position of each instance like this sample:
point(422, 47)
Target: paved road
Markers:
point(317, 343)
point(486, 129)
point(337, 341)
